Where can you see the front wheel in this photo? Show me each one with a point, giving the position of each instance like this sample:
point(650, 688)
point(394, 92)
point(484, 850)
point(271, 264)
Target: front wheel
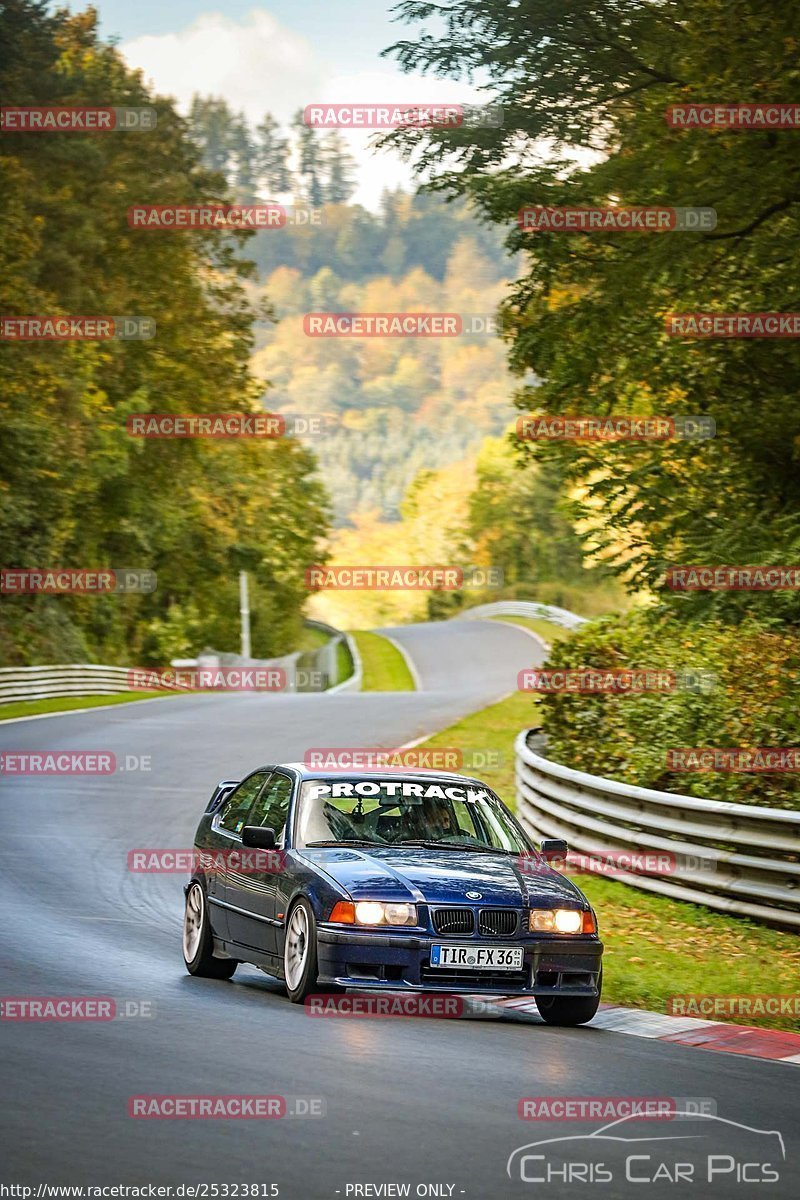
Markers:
point(569, 1010)
point(198, 942)
point(300, 952)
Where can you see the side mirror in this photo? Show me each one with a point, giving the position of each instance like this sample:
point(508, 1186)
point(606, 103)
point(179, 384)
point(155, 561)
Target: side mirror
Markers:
point(553, 848)
point(262, 837)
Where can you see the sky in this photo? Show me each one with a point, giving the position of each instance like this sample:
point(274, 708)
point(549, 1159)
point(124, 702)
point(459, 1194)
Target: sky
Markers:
point(276, 57)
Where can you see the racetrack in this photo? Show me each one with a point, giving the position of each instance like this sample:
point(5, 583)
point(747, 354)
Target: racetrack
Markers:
point(414, 1101)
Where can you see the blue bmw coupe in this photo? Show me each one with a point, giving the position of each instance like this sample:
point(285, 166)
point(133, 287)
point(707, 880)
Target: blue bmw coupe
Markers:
point(411, 881)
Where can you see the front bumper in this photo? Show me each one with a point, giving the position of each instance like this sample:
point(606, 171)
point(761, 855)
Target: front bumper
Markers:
point(553, 966)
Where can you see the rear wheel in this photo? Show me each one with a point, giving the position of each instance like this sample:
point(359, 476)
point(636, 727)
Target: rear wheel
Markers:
point(569, 1010)
point(198, 942)
point(300, 952)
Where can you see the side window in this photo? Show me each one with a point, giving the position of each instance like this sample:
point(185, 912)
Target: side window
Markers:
point(272, 805)
point(237, 806)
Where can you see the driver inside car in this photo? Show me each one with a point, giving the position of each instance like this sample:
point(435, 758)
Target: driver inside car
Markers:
point(430, 821)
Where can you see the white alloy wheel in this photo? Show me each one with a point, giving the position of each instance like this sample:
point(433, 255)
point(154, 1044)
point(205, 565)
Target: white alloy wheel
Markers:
point(295, 953)
point(193, 922)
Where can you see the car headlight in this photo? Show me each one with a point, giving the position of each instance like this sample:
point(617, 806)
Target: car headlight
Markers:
point(371, 912)
point(560, 920)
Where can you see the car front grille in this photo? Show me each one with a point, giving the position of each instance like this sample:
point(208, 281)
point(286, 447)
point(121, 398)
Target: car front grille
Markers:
point(453, 920)
point(498, 922)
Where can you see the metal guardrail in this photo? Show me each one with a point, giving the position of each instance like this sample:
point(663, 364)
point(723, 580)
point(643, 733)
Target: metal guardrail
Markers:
point(314, 670)
point(353, 682)
point(738, 858)
point(71, 679)
point(523, 608)
point(326, 658)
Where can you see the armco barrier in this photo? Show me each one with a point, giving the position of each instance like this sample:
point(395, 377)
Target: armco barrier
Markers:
point(522, 608)
point(72, 679)
point(739, 858)
point(326, 658)
point(91, 679)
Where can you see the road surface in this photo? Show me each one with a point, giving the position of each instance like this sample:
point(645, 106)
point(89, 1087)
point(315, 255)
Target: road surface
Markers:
point(412, 1102)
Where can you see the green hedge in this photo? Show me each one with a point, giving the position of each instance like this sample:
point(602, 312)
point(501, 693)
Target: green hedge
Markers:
point(755, 702)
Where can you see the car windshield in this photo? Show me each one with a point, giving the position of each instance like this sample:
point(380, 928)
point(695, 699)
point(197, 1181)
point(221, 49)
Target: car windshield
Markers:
point(406, 812)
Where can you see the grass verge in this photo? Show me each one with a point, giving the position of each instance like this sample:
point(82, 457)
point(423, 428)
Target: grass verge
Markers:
point(655, 947)
point(33, 708)
point(384, 667)
point(344, 662)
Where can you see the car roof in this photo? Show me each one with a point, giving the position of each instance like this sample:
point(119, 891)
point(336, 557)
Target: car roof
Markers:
point(421, 773)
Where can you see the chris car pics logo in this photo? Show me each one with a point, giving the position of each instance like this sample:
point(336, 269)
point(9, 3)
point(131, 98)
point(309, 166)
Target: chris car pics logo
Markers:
point(695, 1148)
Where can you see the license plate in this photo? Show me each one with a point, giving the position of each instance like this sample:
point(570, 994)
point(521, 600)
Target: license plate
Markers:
point(478, 958)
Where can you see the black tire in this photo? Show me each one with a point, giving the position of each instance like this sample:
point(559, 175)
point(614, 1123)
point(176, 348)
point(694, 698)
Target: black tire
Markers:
point(301, 978)
point(202, 962)
point(569, 1010)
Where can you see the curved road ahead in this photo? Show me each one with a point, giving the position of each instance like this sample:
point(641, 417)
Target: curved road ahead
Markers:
point(417, 1101)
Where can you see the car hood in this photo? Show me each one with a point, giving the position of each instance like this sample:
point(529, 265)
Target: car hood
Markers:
point(428, 876)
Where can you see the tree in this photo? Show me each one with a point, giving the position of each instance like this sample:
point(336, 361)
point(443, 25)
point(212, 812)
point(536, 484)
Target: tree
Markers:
point(587, 314)
point(214, 129)
point(244, 154)
point(339, 168)
point(272, 157)
point(309, 160)
point(75, 489)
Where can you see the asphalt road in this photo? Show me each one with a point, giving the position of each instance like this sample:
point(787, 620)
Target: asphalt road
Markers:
point(413, 1102)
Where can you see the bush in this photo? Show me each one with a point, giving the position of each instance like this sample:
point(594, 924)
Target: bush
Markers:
point(753, 703)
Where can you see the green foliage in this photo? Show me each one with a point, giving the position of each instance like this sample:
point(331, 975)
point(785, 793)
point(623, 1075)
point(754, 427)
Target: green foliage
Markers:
point(256, 161)
point(654, 947)
point(584, 103)
point(394, 406)
point(75, 489)
point(408, 231)
point(520, 522)
point(753, 704)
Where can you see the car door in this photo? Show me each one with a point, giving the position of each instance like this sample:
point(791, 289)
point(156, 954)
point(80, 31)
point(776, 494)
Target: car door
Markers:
point(225, 836)
point(252, 891)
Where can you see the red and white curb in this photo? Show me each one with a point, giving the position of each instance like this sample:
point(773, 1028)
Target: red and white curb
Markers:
point(778, 1045)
